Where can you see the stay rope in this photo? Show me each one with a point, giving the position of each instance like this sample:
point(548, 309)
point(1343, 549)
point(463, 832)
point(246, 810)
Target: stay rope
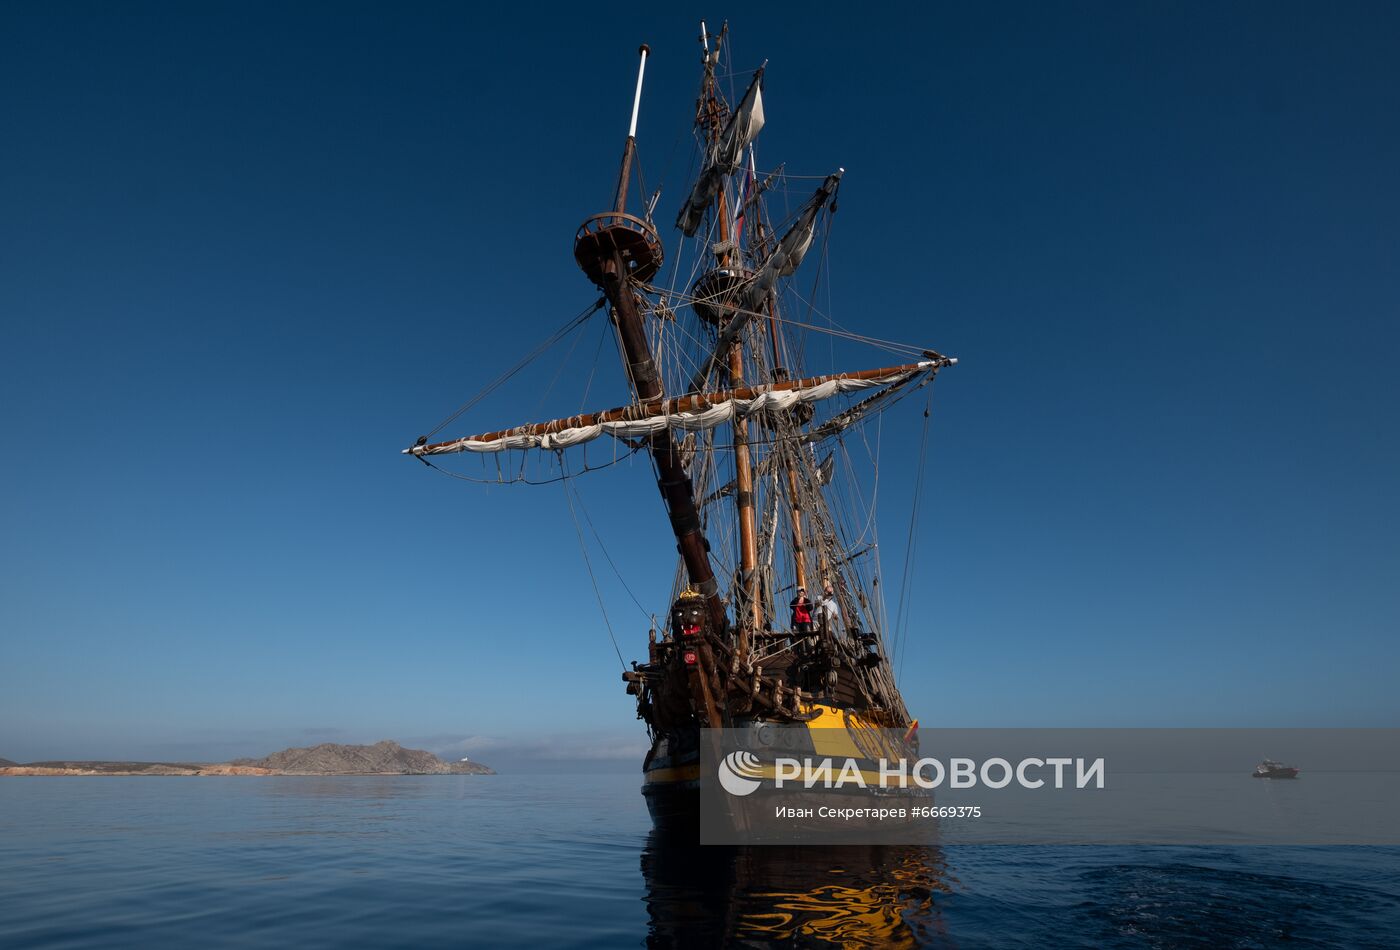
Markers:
point(597, 592)
point(901, 616)
point(529, 358)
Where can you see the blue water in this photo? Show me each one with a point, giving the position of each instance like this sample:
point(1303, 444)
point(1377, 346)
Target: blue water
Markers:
point(497, 861)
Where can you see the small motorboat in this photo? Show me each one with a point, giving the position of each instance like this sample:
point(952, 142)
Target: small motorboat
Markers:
point(1271, 769)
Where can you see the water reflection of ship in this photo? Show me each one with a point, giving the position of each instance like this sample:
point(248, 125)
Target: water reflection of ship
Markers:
point(850, 896)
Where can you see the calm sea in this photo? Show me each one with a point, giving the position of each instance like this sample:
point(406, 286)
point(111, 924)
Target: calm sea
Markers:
point(498, 861)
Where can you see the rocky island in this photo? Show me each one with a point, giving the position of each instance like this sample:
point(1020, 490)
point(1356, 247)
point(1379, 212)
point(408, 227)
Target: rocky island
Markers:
point(382, 758)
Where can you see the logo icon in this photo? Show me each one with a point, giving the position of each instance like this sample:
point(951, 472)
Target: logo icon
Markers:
point(739, 773)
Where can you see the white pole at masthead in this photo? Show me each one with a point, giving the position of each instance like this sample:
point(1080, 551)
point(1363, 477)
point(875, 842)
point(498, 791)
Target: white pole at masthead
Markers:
point(637, 99)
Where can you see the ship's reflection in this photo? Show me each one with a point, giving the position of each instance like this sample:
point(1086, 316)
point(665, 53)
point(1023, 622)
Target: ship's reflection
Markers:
point(849, 896)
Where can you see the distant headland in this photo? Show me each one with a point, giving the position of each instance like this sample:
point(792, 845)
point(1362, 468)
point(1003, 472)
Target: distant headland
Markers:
point(382, 758)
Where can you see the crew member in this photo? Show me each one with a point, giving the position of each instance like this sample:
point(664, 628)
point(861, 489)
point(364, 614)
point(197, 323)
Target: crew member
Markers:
point(828, 611)
point(801, 613)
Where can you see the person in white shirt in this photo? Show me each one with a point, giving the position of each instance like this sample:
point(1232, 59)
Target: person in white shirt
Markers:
point(828, 611)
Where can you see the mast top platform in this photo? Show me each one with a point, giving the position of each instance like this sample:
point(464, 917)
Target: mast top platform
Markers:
point(717, 293)
point(615, 235)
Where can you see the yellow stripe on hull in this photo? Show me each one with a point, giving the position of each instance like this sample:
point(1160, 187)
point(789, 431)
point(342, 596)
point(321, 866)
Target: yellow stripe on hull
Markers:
point(846, 734)
point(836, 733)
point(681, 773)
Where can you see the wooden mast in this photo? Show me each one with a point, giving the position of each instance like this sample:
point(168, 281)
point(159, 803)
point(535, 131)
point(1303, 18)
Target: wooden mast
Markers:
point(799, 546)
point(613, 250)
point(629, 149)
point(743, 466)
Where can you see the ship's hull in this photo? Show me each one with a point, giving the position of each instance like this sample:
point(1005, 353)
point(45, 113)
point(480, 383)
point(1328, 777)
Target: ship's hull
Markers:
point(671, 781)
point(1275, 773)
point(671, 770)
point(674, 805)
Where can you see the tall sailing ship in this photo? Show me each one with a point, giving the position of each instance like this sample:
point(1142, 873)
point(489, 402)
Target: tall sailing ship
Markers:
point(749, 449)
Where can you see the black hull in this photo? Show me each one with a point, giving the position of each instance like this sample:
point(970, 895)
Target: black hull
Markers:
point(671, 783)
point(675, 809)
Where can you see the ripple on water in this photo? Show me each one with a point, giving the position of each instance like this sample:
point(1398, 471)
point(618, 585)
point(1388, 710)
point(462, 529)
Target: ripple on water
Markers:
point(529, 861)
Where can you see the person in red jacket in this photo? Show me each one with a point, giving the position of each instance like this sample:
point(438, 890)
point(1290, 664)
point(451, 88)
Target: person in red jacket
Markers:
point(801, 613)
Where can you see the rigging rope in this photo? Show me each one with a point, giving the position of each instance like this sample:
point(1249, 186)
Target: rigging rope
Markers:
point(592, 577)
point(534, 354)
point(901, 616)
point(835, 330)
point(520, 479)
point(602, 547)
point(821, 268)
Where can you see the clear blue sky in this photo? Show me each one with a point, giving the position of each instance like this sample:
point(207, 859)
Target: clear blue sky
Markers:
point(249, 251)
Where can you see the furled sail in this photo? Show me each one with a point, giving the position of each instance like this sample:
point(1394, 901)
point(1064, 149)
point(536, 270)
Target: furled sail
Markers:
point(783, 262)
point(850, 416)
point(743, 127)
point(692, 412)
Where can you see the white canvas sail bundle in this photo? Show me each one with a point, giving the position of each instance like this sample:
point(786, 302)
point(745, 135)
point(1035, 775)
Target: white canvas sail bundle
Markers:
point(708, 417)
